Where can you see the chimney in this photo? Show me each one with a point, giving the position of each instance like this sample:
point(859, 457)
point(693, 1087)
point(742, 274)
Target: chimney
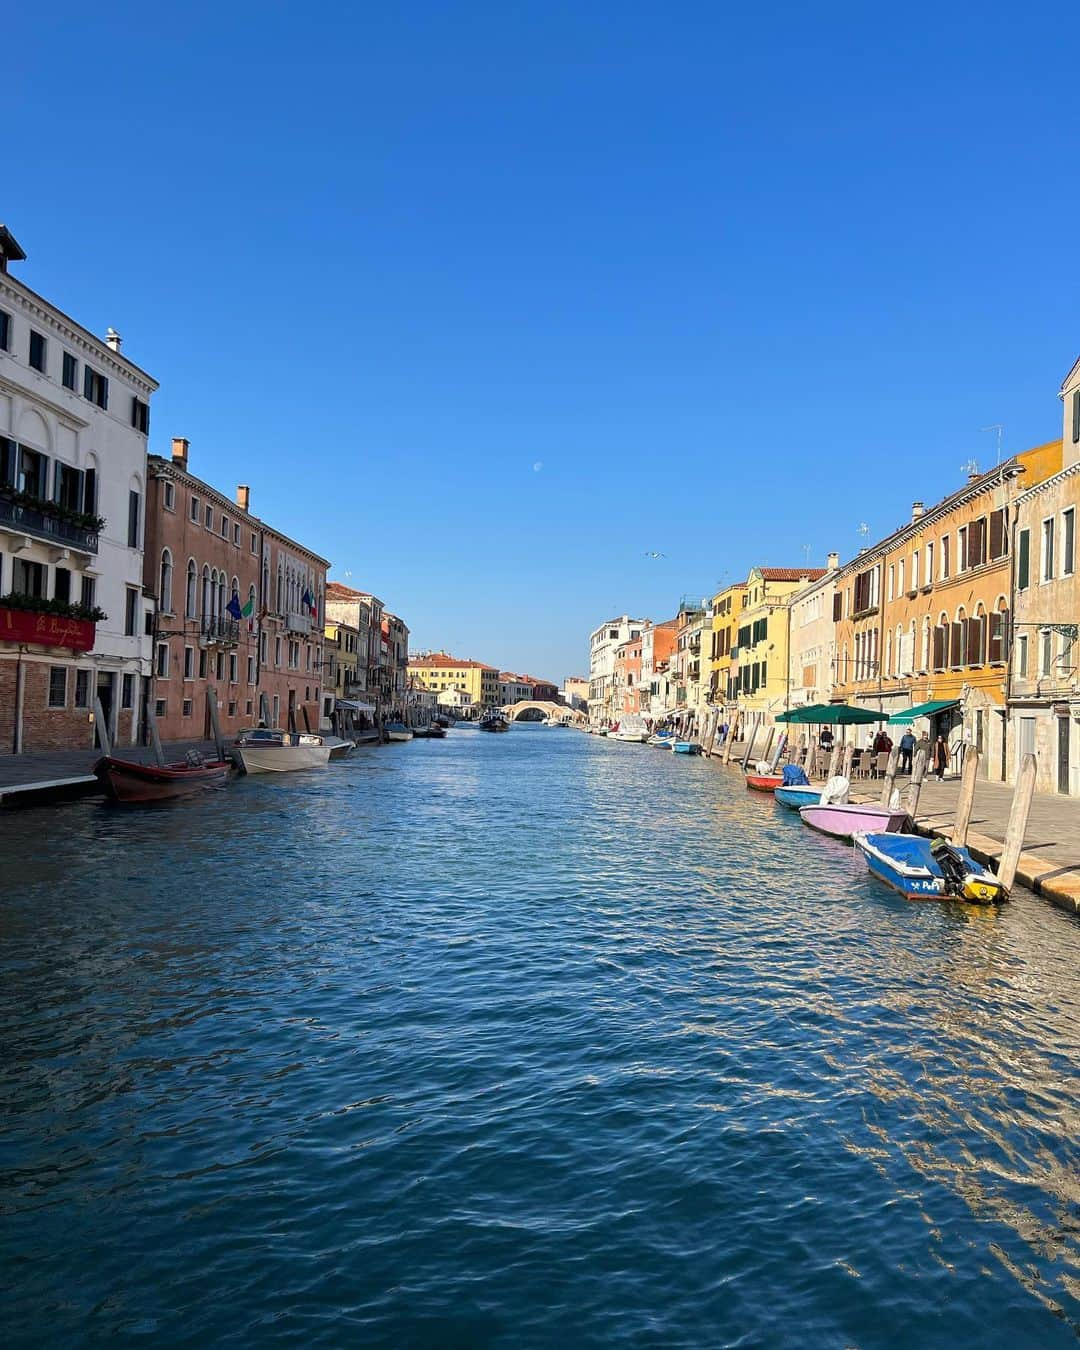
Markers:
point(180, 452)
point(974, 476)
point(243, 497)
point(113, 339)
point(9, 249)
point(833, 561)
point(918, 510)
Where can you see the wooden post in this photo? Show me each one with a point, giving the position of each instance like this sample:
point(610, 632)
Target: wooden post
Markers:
point(215, 727)
point(890, 775)
point(911, 793)
point(1018, 819)
point(730, 739)
point(780, 744)
point(849, 755)
point(750, 743)
point(307, 719)
point(155, 739)
point(101, 726)
point(834, 760)
point(264, 708)
point(967, 796)
point(714, 718)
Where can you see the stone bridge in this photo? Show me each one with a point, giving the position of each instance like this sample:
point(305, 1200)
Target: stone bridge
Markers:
point(531, 710)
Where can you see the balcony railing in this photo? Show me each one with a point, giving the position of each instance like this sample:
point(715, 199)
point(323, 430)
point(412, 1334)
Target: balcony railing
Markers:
point(223, 631)
point(298, 623)
point(40, 524)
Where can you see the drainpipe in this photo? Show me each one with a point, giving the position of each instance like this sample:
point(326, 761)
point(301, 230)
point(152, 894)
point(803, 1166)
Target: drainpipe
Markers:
point(20, 698)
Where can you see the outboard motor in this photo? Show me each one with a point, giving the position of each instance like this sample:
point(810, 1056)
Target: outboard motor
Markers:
point(960, 880)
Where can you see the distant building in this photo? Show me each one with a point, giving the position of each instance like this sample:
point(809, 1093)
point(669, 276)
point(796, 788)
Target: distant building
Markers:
point(575, 693)
point(441, 671)
point(603, 642)
point(74, 418)
point(364, 612)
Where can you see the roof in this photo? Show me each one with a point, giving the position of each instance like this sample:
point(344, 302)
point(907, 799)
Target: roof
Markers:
point(336, 591)
point(1069, 378)
point(792, 573)
point(440, 660)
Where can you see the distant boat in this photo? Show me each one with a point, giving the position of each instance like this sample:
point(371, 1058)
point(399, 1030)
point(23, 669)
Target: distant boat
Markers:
point(432, 732)
point(269, 750)
point(843, 820)
point(397, 731)
point(494, 723)
point(927, 869)
point(665, 739)
point(126, 781)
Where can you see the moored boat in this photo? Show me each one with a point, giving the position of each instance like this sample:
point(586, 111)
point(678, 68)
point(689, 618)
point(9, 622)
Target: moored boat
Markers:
point(269, 750)
point(764, 782)
point(926, 869)
point(797, 795)
point(339, 747)
point(686, 747)
point(666, 739)
point(844, 820)
point(631, 728)
point(126, 781)
point(397, 731)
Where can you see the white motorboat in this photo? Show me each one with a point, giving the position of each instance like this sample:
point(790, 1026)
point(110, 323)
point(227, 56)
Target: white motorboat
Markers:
point(631, 728)
point(339, 747)
point(266, 750)
point(397, 731)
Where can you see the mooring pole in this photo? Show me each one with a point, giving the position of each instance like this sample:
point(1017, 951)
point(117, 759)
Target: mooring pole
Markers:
point(913, 789)
point(211, 703)
point(1018, 819)
point(967, 796)
point(155, 739)
point(890, 775)
point(750, 743)
point(101, 726)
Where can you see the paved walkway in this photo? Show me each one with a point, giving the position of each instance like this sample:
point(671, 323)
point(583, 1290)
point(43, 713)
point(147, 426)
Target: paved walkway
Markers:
point(48, 771)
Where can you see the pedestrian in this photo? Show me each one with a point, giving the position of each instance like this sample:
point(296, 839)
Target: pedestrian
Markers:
point(907, 749)
point(923, 747)
point(941, 757)
point(826, 740)
point(882, 742)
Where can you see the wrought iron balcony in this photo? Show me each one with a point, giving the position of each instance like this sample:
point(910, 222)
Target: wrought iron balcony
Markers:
point(223, 632)
point(39, 524)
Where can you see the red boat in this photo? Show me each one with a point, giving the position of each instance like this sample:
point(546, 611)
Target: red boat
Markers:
point(764, 782)
point(126, 781)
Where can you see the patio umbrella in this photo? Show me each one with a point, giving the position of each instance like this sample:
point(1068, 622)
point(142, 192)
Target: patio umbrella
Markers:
point(832, 715)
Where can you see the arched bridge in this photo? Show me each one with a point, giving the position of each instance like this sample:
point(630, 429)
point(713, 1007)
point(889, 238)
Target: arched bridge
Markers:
point(532, 710)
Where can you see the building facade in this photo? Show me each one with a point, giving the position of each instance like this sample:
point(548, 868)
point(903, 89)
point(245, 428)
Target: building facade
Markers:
point(812, 646)
point(442, 672)
point(603, 642)
point(364, 612)
point(726, 610)
point(74, 419)
point(762, 641)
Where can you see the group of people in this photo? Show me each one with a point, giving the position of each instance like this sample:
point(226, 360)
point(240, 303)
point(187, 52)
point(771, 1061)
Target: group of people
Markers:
point(937, 752)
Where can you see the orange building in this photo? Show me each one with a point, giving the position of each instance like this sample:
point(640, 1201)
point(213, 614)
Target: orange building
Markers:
point(628, 676)
point(922, 618)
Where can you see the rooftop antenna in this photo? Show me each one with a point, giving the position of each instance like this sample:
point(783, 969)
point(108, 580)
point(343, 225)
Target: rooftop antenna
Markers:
point(806, 553)
point(972, 466)
point(863, 529)
point(996, 426)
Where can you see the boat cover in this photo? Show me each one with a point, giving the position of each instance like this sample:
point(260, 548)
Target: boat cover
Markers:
point(794, 776)
point(914, 851)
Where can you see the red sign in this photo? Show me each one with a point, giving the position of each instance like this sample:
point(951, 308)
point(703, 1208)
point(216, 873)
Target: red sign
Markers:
point(47, 630)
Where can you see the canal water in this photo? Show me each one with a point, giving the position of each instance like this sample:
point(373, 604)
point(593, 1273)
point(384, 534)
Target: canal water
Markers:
point(524, 1040)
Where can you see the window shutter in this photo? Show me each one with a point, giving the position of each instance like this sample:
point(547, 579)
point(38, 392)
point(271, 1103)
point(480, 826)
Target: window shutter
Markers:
point(1023, 562)
point(995, 651)
point(939, 648)
point(956, 645)
point(87, 382)
point(837, 603)
point(90, 491)
point(1076, 415)
point(974, 642)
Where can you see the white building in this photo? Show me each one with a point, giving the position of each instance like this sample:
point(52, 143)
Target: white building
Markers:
point(513, 689)
point(603, 642)
point(454, 700)
point(74, 418)
point(812, 640)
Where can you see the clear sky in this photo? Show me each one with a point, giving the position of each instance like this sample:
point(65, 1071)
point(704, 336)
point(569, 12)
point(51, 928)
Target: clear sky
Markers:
point(487, 301)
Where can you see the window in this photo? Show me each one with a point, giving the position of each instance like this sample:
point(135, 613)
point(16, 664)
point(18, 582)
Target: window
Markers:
point(191, 592)
point(28, 578)
point(160, 707)
point(127, 691)
point(962, 549)
point(262, 648)
point(929, 565)
point(37, 357)
point(232, 668)
point(88, 592)
point(915, 570)
point(224, 527)
point(1023, 560)
point(277, 652)
point(148, 623)
point(219, 666)
point(977, 543)
point(33, 472)
point(68, 486)
point(131, 611)
point(169, 497)
point(208, 517)
point(58, 686)
point(195, 510)
point(186, 707)
point(232, 707)
point(900, 588)
point(999, 540)
point(946, 548)
point(161, 665)
point(165, 578)
point(134, 510)
point(95, 387)
point(1048, 550)
point(254, 542)
point(1068, 542)
point(189, 663)
point(140, 415)
point(1075, 411)
point(1022, 656)
point(1047, 652)
point(5, 331)
point(236, 534)
point(70, 372)
point(251, 670)
point(202, 664)
point(62, 585)
point(82, 688)
point(995, 651)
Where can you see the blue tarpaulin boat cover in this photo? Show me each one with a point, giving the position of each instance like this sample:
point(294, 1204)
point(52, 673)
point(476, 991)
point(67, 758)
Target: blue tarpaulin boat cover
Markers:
point(794, 776)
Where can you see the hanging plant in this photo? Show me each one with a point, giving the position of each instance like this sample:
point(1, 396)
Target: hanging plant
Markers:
point(37, 604)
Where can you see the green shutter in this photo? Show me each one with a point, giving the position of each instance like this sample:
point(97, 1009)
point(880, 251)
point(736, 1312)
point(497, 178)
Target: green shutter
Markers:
point(1023, 562)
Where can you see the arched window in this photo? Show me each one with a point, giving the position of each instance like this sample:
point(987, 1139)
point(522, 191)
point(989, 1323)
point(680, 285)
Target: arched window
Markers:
point(221, 600)
point(888, 654)
point(207, 594)
point(280, 591)
point(165, 587)
point(924, 660)
point(191, 594)
point(252, 606)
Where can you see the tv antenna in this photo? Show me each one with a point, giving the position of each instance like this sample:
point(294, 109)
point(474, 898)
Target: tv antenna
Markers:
point(996, 426)
point(863, 529)
point(806, 548)
point(972, 466)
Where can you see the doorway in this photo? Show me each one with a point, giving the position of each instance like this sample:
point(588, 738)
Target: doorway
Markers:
point(106, 685)
point(1064, 738)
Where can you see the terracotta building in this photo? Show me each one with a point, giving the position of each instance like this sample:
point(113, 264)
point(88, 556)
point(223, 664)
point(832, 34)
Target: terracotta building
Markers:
point(239, 609)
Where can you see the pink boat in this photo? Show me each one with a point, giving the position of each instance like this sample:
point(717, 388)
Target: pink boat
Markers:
point(842, 822)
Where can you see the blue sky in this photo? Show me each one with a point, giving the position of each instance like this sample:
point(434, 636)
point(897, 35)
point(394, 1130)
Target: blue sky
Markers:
point(487, 301)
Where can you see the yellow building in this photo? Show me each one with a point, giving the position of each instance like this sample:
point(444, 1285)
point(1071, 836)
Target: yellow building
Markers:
point(727, 607)
point(763, 684)
point(440, 671)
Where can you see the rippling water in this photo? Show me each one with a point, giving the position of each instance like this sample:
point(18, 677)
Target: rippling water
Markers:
point(522, 1040)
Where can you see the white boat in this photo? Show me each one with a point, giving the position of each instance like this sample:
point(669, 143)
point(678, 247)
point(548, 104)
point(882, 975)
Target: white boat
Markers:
point(631, 728)
point(339, 747)
point(397, 731)
point(265, 750)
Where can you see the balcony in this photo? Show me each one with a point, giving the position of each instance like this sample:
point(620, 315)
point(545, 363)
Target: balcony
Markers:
point(298, 623)
point(219, 632)
point(43, 522)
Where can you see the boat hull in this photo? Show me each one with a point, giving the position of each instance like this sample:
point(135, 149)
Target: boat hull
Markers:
point(126, 781)
point(339, 748)
point(686, 748)
point(283, 758)
point(795, 798)
point(760, 782)
point(844, 821)
point(906, 863)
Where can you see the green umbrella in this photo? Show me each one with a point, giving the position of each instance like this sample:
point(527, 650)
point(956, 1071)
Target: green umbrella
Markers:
point(831, 714)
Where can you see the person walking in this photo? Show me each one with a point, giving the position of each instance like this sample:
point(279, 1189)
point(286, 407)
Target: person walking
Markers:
point(907, 749)
point(941, 757)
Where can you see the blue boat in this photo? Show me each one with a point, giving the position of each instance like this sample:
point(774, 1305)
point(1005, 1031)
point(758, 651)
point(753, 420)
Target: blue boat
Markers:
point(686, 748)
point(929, 869)
point(797, 796)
